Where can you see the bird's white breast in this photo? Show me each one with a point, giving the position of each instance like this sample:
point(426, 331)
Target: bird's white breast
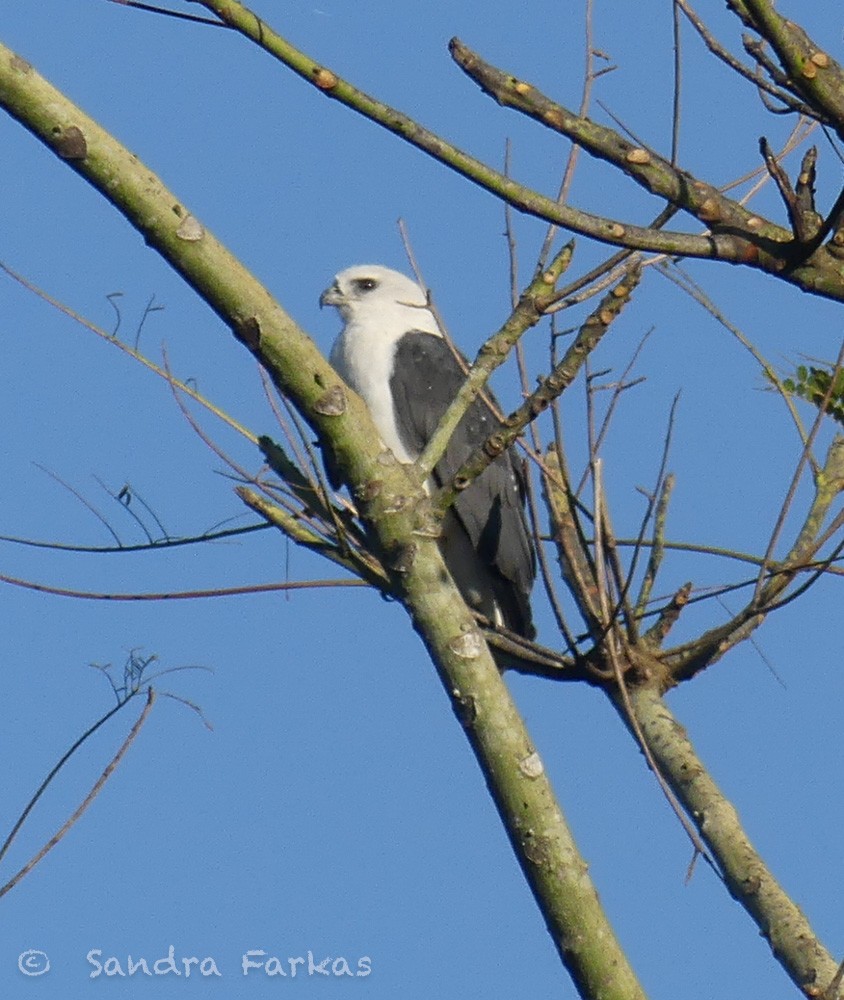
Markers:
point(364, 356)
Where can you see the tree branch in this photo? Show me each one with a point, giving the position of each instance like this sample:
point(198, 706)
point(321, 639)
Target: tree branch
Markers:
point(737, 236)
point(792, 940)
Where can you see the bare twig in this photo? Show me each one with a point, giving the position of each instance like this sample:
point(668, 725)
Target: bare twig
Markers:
point(89, 798)
point(152, 9)
point(678, 71)
point(165, 543)
point(589, 77)
point(178, 595)
point(748, 73)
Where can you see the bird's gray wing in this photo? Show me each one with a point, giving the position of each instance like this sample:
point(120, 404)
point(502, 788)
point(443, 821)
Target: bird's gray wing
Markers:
point(426, 377)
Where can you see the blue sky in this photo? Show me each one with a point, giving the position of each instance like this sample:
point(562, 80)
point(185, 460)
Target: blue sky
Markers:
point(335, 807)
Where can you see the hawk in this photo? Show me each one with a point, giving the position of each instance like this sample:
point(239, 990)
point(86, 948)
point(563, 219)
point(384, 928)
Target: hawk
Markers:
point(392, 352)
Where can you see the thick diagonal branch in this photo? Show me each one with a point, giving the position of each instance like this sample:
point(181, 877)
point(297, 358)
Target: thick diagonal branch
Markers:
point(791, 938)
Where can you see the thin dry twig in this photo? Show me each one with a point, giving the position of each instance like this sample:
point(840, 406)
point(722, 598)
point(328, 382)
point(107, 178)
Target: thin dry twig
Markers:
point(89, 798)
point(179, 595)
point(678, 76)
point(589, 77)
point(165, 543)
point(165, 11)
point(85, 503)
point(718, 50)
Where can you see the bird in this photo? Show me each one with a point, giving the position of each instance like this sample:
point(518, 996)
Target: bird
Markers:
point(394, 355)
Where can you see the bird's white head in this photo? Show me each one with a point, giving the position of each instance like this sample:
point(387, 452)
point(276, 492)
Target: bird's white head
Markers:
point(373, 294)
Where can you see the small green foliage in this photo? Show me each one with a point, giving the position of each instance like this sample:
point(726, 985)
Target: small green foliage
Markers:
point(813, 385)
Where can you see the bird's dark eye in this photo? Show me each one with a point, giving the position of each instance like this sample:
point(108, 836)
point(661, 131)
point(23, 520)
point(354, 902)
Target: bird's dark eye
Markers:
point(365, 284)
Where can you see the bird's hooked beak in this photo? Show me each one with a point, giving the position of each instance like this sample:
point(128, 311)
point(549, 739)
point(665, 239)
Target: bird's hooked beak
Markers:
point(332, 296)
